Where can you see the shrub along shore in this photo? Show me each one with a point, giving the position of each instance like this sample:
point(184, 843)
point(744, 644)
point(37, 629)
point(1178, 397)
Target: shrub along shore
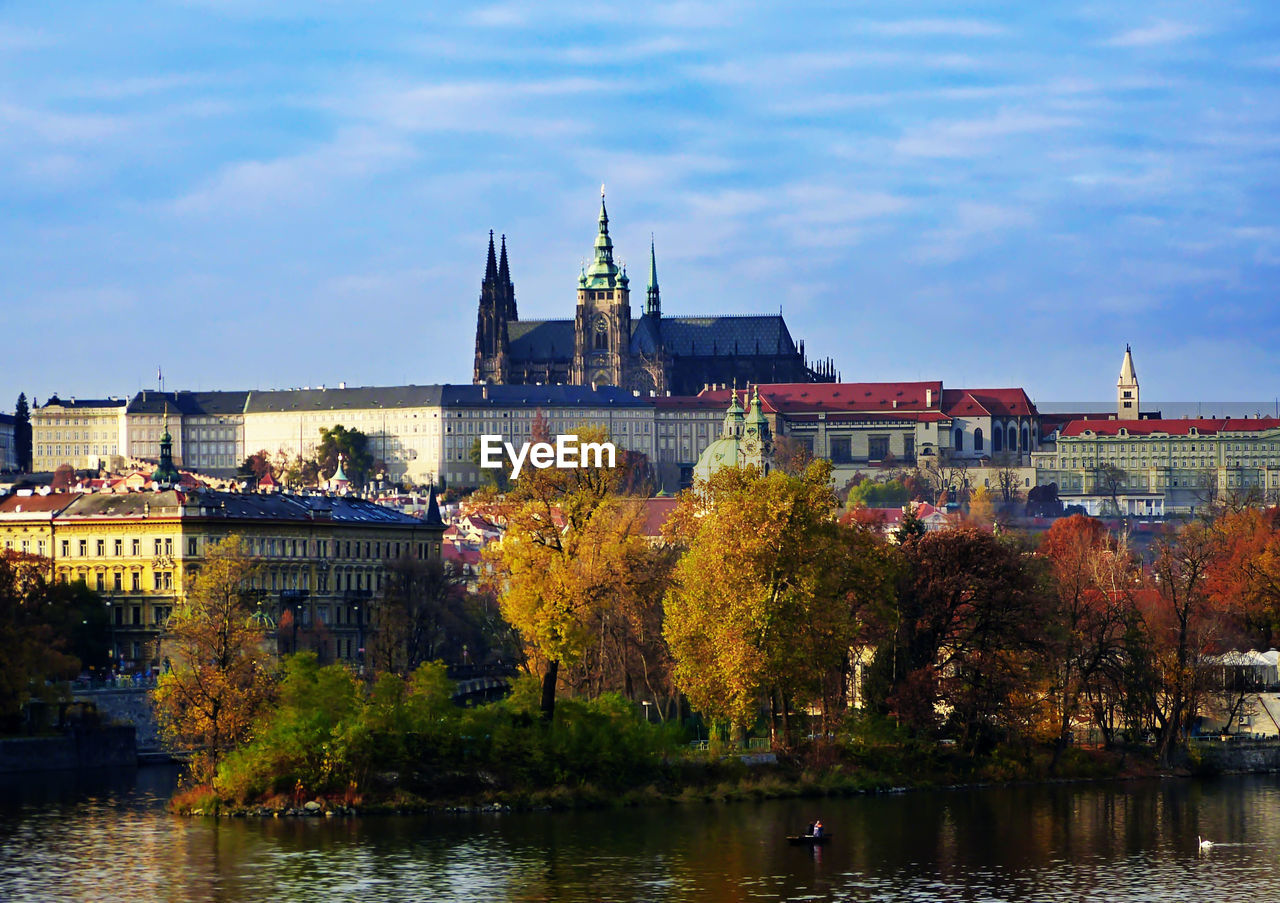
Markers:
point(331, 746)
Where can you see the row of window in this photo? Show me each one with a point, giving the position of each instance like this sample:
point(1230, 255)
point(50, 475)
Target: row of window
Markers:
point(160, 546)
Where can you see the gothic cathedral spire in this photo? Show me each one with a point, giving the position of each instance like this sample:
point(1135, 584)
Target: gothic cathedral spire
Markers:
point(497, 308)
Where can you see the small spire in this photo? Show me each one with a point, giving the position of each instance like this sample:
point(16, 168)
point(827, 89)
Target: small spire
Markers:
point(491, 266)
point(653, 299)
point(504, 274)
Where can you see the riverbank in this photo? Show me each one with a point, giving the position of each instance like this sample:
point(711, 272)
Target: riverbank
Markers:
point(709, 779)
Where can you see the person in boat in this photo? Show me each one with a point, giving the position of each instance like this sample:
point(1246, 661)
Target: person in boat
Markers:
point(816, 829)
point(809, 832)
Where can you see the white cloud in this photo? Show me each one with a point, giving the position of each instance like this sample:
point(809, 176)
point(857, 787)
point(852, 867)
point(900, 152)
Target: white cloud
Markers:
point(257, 185)
point(913, 28)
point(972, 137)
point(1161, 32)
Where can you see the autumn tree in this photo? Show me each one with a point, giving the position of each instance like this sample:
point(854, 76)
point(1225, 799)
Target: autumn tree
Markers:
point(1093, 578)
point(1245, 575)
point(31, 647)
point(257, 465)
point(765, 600)
point(421, 617)
point(64, 477)
point(962, 632)
point(1111, 479)
point(571, 546)
point(221, 673)
point(1184, 622)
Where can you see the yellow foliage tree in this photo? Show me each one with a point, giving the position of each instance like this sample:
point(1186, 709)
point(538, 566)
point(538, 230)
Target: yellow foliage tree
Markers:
point(765, 602)
point(573, 546)
point(221, 672)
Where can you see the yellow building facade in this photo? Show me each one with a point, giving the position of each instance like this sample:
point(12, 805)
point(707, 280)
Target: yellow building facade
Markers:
point(322, 559)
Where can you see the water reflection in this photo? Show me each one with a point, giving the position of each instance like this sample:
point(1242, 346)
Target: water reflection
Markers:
point(109, 838)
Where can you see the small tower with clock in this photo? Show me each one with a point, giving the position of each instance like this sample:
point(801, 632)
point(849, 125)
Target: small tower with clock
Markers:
point(602, 325)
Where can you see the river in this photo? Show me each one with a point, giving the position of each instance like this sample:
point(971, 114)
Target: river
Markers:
point(108, 837)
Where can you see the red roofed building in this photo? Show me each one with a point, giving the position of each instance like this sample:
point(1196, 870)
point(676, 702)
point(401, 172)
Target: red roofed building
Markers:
point(1152, 466)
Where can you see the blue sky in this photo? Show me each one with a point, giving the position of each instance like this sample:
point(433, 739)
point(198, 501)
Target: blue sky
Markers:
point(269, 194)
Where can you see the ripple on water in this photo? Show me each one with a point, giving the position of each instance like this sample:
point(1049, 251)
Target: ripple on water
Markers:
point(1131, 843)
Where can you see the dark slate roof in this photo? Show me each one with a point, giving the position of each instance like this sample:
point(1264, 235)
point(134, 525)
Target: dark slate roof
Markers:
point(723, 336)
point(188, 403)
point(356, 398)
point(83, 402)
point(541, 340)
point(645, 334)
point(683, 336)
point(542, 396)
point(8, 418)
point(238, 506)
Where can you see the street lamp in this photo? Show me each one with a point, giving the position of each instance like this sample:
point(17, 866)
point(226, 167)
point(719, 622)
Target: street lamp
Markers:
point(646, 703)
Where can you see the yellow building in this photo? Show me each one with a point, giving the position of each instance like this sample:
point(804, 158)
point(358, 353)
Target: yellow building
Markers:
point(323, 558)
point(85, 433)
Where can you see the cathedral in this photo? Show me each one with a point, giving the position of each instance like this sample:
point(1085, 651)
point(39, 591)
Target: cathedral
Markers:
point(605, 345)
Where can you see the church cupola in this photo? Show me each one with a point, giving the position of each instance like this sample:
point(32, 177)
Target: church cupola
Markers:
point(166, 475)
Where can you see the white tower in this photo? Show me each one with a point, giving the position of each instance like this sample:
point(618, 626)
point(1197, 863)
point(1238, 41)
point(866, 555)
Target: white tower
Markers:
point(1127, 389)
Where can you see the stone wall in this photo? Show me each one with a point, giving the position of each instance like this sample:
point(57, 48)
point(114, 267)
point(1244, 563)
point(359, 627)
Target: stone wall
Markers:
point(77, 748)
point(1244, 756)
point(127, 706)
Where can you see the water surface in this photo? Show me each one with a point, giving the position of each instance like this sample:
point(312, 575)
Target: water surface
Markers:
point(108, 837)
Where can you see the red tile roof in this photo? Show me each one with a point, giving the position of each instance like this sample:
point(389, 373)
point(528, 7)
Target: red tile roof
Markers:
point(794, 398)
point(33, 504)
point(990, 402)
point(656, 513)
point(1204, 426)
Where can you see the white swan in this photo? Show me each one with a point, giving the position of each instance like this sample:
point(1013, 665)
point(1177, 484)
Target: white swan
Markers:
point(1204, 844)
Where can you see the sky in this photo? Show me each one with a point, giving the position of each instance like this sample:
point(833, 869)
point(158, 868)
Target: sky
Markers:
point(277, 193)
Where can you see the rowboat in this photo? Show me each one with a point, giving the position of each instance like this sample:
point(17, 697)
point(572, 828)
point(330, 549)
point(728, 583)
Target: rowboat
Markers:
point(808, 840)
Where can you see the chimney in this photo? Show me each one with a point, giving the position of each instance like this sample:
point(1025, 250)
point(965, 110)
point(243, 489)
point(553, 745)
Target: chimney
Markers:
point(484, 391)
point(928, 398)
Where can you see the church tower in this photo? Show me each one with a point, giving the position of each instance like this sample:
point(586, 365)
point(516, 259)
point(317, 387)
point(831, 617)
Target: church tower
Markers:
point(497, 309)
point(602, 325)
point(1127, 389)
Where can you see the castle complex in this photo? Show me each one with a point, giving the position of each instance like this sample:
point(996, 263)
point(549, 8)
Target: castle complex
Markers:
point(604, 345)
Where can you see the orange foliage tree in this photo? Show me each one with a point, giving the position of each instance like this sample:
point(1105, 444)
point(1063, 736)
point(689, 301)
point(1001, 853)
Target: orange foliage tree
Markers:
point(221, 672)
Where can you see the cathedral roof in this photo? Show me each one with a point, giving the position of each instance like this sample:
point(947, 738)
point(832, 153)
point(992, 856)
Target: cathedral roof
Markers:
point(724, 336)
point(541, 340)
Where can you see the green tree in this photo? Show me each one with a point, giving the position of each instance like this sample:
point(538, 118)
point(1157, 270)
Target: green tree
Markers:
point(22, 432)
point(221, 672)
point(353, 445)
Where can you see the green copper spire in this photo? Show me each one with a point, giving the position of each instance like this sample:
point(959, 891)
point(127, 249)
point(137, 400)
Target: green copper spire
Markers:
point(652, 301)
point(166, 474)
point(603, 273)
